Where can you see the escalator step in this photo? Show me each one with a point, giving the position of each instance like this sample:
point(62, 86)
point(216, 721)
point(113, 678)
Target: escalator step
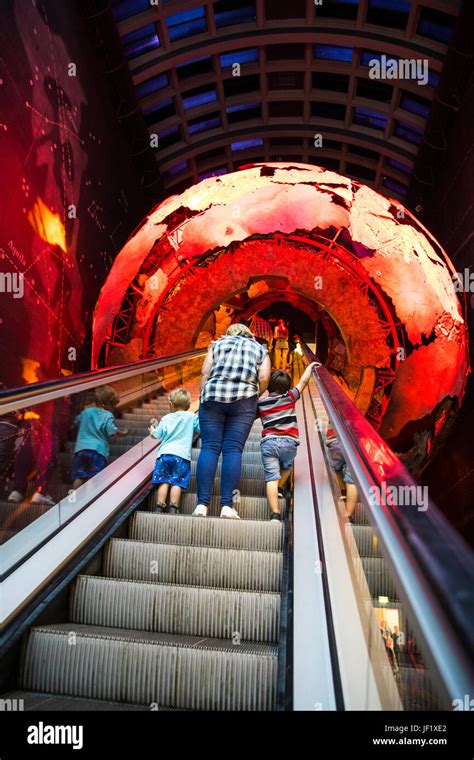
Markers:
point(193, 565)
point(222, 534)
point(188, 610)
point(366, 540)
point(34, 700)
point(247, 486)
point(249, 507)
point(181, 671)
point(378, 578)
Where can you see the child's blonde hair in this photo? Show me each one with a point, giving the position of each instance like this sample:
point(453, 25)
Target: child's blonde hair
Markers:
point(107, 397)
point(181, 399)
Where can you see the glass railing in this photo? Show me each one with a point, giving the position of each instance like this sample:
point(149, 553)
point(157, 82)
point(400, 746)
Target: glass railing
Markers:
point(53, 464)
point(412, 574)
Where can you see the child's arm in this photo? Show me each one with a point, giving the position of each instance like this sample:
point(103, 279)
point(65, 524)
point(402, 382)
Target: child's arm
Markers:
point(156, 431)
point(112, 429)
point(304, 379)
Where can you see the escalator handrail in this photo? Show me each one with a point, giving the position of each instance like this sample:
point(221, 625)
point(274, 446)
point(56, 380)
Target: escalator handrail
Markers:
point(436, 552)
point(13, 399)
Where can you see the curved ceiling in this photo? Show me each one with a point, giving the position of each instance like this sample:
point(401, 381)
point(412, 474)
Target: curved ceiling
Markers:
point(225, 83)
point(361, 258)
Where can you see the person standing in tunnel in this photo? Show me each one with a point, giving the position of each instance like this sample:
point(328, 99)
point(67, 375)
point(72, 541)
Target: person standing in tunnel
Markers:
point(235, 372)
point(281, 345)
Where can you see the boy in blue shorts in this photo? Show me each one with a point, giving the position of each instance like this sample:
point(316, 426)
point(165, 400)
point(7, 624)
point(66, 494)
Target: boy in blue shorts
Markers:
point(96, 425)
point(280, 437)
point(176, 431)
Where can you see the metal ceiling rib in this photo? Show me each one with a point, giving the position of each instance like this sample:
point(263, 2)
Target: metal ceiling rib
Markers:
point(301, 90)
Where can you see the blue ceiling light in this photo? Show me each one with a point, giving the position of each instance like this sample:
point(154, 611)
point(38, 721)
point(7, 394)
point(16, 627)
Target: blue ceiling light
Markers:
point(168, 132)
point(333, 52)
point(140, 41)
point(238, 56)
point(245, 107)
point(401, 167)
point(395, 186)
point(436, 25)
point(367, 118)
point(186, 23)
point(416, 105)
point(152, 85)
point(176, 169)
point(157, 106)
point(400, 6)
point(204, 125)
point(192, 100)
point(255, 142)
point(409, 133)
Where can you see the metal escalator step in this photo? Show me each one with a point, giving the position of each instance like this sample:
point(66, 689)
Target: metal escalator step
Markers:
point(193, 565)
point(149, 668)
point(378, 577)
point(366, 540)
point(34, 701)
point(249, 507)
point(223, 534)
point(360, 515)
point(165, 608)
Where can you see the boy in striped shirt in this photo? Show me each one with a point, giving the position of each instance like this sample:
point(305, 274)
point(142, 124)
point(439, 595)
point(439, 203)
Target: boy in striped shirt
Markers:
point(280, 436)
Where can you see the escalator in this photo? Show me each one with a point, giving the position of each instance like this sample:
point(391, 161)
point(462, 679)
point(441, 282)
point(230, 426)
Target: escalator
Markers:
point(109, 606)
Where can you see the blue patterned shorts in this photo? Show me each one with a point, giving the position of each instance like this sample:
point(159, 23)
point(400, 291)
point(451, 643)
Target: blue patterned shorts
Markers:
point(86, 464)
point(173, 470)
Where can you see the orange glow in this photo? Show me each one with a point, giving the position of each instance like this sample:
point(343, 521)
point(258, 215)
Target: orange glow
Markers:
point(30, 371)
point(31, 416)
point(47, 225)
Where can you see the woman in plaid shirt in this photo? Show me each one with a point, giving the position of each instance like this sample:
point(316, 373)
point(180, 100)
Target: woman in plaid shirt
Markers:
point(235, 372)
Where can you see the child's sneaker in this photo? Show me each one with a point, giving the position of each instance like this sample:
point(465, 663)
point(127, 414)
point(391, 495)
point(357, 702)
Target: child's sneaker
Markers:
point(16, 497)
point(173, 509)
point(160, 507)
point(276, 516)
point(200, 511)
point(230, 512)
point(42, 498)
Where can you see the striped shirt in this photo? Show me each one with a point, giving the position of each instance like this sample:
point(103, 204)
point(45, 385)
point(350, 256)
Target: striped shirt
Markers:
point(278, 414)
point(234, 375)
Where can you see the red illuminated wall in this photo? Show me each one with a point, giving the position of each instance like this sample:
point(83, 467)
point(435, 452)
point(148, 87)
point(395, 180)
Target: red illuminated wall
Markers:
point(68, 194)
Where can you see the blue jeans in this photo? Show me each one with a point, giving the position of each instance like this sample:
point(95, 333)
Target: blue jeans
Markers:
point(224, 428)
point(278, 453)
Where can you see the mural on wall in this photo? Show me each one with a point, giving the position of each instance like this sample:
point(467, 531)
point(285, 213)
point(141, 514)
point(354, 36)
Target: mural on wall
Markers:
point(361, 257)
point(64, 197)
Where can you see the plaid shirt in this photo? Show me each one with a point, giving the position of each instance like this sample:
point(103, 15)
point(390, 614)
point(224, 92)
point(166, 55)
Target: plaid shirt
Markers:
point(234, 373)
point(261, 329)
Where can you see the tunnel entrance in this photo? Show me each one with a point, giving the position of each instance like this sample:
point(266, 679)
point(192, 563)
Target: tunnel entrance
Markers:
point(277, 237)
